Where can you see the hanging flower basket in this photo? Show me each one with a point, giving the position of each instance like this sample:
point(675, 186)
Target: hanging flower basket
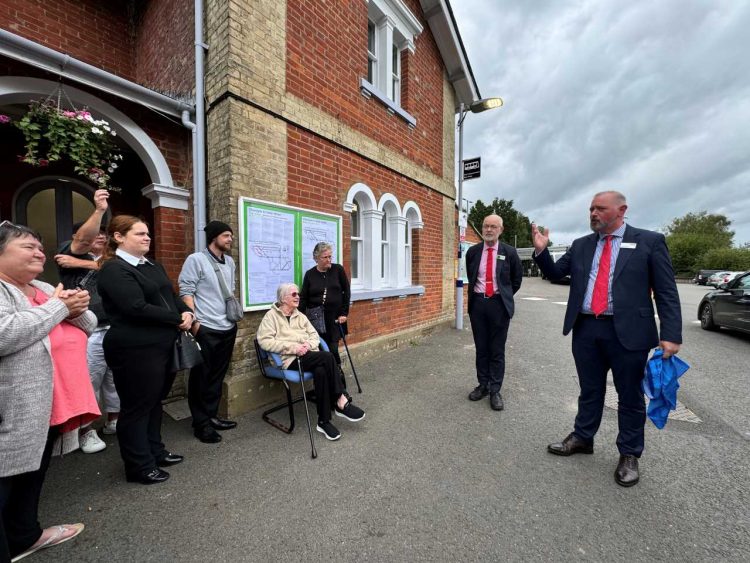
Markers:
point(53, 133)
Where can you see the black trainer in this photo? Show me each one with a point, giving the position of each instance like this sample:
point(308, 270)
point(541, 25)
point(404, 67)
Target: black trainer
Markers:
point(328, 430)
point(350, 412)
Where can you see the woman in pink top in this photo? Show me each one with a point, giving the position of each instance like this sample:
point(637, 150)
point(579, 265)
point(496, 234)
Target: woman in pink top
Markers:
point(45, 390)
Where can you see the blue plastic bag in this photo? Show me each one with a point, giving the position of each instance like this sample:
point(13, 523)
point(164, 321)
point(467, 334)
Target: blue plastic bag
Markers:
point(660, 384)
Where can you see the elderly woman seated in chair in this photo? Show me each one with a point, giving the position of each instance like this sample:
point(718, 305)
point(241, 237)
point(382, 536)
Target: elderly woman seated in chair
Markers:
point(288, 332)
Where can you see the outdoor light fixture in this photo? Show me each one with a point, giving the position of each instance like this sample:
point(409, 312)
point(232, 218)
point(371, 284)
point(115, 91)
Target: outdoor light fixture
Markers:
point(487, 103)
point(475, 107)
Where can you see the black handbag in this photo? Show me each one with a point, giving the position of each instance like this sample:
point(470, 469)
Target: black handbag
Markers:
point(186, 353)
point(316, 315)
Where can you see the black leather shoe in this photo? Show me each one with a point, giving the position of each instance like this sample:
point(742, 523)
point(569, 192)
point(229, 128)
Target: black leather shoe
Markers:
point(170, 459)
point(149, 477)
point(572, 444)
point(480, 391)
point(221, 423)
point(496, 401)
point(626, 473)
point(207, 435)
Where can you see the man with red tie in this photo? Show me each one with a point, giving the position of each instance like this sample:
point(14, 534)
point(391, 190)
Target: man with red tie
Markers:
point(494, 272)
point(611, 313)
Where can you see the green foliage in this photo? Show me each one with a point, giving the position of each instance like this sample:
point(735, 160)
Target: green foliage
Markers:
point(692, 237)
point(517, 227)
point(733, 259)
point(714, 226)
point(53, 134)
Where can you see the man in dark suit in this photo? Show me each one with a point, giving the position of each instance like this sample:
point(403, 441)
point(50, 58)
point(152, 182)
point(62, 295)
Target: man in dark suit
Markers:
point(494, 272)
point(614, 273)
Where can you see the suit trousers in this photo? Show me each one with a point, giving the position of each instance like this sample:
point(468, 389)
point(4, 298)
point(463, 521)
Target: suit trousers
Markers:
point(205, 381)
point(142, 379)
point(19, 505)
point(489, 325)
point(328, 387)
point(596, 350)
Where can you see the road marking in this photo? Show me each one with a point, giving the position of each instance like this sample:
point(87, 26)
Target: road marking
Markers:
point(560, 302)
point(696, 322)
point(534, 298)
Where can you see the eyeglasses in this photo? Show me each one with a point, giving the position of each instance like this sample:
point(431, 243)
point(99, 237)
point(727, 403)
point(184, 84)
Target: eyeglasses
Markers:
point(294, 294)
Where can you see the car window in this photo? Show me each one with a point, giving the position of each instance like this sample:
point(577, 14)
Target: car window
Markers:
point(743, 282)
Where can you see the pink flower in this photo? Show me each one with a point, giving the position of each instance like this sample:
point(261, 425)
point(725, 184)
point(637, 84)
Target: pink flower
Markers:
point(4, 119)
point(69, 113)
point(43, 162)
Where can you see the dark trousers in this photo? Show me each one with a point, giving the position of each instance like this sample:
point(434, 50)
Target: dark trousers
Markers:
point(328, 387)
point(142, 380)
point(19, 505)
point(597, 350)
point(489, 325)
point(205, 381)
point(332, 339)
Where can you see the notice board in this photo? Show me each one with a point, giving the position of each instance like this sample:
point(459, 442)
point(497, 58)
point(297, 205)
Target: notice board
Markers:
point(276, 245)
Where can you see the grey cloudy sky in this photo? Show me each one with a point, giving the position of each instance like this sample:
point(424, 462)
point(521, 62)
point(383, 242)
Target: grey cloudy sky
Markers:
point(649, 98)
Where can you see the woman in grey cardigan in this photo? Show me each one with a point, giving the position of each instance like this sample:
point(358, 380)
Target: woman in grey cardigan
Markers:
point(29, 312)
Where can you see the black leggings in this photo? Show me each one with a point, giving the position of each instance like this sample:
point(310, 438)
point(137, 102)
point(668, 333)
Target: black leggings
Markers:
point(328, 387)
point(19, 502)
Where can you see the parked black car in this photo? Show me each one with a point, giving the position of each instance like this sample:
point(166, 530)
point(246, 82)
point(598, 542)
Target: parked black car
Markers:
point(728, 306)
point(701, 278)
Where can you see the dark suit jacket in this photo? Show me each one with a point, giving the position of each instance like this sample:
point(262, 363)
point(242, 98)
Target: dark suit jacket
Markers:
point(638, 271)
point(508, 273)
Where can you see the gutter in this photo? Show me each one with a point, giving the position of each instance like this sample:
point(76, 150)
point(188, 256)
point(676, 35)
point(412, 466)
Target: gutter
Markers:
point(33, 54)
point(38, 56)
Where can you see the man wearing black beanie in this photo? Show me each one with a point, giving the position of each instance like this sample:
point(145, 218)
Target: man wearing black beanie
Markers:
point(202, 290)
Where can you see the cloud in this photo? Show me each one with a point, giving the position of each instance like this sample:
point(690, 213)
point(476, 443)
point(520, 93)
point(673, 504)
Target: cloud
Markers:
point(650, 98)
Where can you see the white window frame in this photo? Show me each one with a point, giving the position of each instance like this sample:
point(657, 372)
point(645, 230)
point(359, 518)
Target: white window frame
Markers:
point(372, 57)
point(357, 246)
point(384, 262)
point(396, 28)
point(396, 75)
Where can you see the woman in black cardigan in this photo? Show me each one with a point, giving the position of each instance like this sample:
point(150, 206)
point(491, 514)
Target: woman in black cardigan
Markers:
point(145, 316)
point(326, 284)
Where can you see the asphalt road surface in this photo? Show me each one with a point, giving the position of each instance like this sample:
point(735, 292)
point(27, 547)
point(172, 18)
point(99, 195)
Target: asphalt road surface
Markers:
point(430, 476)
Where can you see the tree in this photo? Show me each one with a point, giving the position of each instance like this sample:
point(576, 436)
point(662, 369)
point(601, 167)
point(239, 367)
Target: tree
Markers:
point(517, 227)
point(733, 259)
point(691, 236)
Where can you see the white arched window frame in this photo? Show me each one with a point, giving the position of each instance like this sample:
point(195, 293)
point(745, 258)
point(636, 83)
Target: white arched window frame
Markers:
point(379, 237)
point(361, 204)
point(412, 220)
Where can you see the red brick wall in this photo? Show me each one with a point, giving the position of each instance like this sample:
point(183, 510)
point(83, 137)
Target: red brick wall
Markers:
point(326, 57)
point(99, 33)
point(151, 44)
point(319, 177)
point(171, 243)
point(164, 47)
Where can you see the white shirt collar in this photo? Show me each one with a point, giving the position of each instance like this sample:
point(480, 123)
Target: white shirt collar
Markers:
point(130, 259)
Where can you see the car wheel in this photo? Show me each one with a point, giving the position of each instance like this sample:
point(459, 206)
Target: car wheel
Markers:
point(707, 318)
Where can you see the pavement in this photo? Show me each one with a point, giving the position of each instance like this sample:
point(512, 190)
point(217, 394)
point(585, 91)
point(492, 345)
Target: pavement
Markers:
point(429, 475)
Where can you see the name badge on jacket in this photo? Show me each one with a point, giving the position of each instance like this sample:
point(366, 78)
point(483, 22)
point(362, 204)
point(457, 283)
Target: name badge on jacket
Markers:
point(501, 256)
point(628, 245)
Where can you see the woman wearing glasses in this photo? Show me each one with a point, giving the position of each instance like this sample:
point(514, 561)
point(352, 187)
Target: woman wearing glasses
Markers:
point(325, 288)
point(286, 331)
point(45, 390)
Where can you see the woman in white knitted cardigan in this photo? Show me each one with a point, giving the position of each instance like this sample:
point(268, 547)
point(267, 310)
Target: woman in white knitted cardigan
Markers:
point(36, 320)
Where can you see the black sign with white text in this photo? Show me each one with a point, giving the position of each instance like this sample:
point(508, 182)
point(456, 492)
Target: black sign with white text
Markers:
point(472, 168)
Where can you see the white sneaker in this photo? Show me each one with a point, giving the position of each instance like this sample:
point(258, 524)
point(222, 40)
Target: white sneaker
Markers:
point(110, 427)
point(91, 443)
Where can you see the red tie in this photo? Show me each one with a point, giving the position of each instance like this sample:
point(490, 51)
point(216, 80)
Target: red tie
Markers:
point(489, 286)
point(601, 285)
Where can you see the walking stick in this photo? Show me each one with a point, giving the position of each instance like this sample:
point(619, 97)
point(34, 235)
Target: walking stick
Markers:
point(304, 399)
point(348, 355)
